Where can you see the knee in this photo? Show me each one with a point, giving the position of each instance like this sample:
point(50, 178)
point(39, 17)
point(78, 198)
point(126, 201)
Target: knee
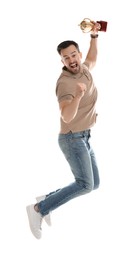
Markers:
point(89, 188)
point(86, 187)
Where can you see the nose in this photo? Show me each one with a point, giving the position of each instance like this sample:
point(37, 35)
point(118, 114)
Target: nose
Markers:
point(71, 59)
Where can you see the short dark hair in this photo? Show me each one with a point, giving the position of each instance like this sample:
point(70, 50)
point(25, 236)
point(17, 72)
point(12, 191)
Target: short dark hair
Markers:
point(66, 44)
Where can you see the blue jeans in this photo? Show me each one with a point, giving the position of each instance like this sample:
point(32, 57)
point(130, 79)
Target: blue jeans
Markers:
point(80, 156)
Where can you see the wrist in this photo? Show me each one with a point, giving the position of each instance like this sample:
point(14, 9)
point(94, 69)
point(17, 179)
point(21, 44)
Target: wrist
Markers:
point(94, 36)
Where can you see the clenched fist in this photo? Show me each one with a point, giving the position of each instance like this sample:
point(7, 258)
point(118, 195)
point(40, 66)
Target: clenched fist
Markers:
point(80, 89)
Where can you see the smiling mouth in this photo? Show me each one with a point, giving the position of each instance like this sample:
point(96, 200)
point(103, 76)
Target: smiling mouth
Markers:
point(73, 65)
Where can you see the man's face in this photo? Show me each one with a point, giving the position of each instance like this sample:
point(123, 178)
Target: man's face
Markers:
point(71, 58)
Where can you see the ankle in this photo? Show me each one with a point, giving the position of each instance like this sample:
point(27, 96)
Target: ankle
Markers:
point(36, 207)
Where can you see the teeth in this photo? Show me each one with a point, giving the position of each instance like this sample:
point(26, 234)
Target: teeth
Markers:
point(73, 65)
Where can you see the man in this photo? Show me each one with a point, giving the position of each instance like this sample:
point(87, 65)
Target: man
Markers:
point(77, 96)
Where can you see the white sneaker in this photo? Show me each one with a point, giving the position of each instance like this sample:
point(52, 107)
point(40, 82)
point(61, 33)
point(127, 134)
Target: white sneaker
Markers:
point(35, 221)
point(47, 217)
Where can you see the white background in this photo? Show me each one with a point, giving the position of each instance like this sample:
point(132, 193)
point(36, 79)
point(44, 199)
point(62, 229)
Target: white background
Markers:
point(101, 224)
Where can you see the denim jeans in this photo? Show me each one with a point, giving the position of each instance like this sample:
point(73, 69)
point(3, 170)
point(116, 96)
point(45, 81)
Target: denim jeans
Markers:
point(80, 156)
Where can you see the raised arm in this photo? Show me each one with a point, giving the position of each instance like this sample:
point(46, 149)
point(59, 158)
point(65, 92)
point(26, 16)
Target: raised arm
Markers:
point(91, 56)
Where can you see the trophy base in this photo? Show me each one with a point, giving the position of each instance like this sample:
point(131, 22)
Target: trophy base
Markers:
point(103, 26)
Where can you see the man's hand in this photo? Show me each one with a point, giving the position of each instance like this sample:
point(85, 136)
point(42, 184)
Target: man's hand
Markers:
point(80, 90)
point(96, 28)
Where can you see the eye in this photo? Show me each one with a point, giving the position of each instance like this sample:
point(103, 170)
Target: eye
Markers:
point(66, 58)
point(74, 55)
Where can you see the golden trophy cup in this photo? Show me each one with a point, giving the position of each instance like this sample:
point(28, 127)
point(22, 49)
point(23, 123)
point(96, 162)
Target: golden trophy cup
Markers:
point(87, 25)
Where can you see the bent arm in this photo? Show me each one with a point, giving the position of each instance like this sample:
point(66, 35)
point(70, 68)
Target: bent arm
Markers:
point(69, 109)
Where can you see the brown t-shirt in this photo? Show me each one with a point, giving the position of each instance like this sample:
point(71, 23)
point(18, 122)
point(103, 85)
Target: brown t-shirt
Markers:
point(66, 89)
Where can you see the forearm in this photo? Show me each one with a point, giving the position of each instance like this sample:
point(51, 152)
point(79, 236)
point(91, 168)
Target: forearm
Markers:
point(69, 111)
point(92, 52)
